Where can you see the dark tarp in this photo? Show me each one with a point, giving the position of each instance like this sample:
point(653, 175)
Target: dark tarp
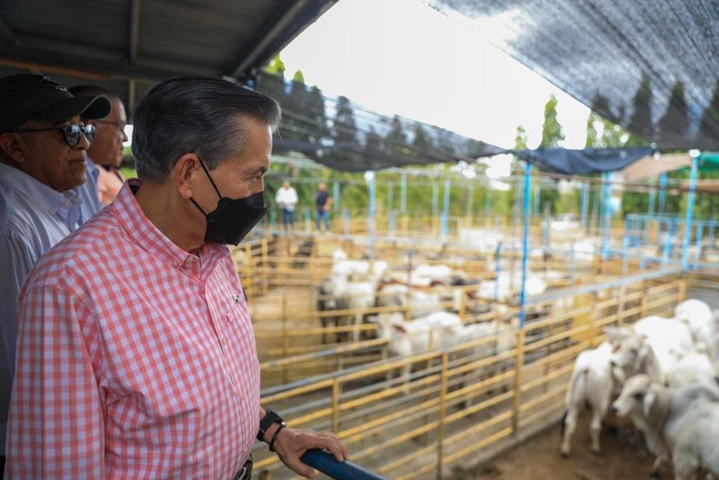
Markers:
point(650, 66)
point(583, 162)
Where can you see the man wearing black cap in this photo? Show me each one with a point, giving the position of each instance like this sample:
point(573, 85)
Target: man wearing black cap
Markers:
point(42, 164)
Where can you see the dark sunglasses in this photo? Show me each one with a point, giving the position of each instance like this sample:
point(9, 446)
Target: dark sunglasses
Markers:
point(70, 132)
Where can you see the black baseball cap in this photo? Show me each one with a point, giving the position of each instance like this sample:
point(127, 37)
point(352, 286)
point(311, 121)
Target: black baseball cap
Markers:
point(28, 96)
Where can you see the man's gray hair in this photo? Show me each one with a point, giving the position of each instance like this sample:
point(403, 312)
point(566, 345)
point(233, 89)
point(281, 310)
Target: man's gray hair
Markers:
point(195, 115)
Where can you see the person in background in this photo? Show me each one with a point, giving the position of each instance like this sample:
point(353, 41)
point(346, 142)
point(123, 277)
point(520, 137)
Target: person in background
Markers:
point(286, 198)
point(143, 363)
point(106, 152)
point(323, 201)
point(42, 171)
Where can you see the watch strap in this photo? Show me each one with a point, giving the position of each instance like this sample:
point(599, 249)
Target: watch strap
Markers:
point(267, 421)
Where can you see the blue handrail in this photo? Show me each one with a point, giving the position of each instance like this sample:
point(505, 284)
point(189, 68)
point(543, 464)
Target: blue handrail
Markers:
point(326, 463)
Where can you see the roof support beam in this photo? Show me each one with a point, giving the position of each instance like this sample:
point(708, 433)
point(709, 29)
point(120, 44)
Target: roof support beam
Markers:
point(287, 27)
point(100, 70)
point(278, 27)
point(134, 30)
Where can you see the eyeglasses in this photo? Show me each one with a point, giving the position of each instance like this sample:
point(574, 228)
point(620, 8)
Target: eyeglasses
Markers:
point(120, 125)
point(70, 132)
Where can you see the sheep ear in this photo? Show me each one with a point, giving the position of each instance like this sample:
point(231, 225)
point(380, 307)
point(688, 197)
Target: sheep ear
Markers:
point(648, 403)
point(399, 328)
point(610, 331)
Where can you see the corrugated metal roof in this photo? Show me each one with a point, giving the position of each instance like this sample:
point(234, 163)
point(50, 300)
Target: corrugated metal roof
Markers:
point(128, 45)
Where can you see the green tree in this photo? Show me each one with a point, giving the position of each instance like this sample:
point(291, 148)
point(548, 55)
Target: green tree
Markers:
point(552, 134)
point(592, 139)
point(640, 124)
point(674, 125)
point(276, 66)
point(709, 125)
point(345, 126)
point(552, 137)
point(420, 141)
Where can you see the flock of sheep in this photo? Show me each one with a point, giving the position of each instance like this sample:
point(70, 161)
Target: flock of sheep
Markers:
point(659, 372)
point(662, 374)
point(358, 286)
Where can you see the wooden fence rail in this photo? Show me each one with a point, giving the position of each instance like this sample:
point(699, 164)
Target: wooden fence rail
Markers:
point(457, 407)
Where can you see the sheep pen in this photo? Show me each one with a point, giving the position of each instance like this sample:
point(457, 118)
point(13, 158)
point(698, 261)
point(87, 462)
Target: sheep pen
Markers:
point(431, 430)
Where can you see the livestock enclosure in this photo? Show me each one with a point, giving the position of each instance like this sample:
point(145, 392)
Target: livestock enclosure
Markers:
point(459, 407)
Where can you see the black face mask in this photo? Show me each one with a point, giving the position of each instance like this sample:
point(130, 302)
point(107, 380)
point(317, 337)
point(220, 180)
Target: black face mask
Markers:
point(232, 220)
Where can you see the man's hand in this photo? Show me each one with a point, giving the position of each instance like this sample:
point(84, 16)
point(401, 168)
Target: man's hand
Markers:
point(291, 443)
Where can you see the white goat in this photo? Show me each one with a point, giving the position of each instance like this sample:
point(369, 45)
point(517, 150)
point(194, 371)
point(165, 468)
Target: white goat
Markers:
point(591, 384)
point(417, 336)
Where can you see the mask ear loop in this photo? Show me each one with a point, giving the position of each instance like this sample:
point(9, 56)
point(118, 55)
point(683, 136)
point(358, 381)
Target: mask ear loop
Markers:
point(208, 176)
point(211, 181)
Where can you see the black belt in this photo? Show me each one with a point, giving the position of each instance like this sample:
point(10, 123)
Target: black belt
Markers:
point(244, 473)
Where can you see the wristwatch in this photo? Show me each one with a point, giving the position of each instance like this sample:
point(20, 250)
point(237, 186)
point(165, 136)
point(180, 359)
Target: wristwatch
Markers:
point(267, 421)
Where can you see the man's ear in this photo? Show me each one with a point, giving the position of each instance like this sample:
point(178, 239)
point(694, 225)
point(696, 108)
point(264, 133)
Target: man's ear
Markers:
point(183, 172)
point(10, 144)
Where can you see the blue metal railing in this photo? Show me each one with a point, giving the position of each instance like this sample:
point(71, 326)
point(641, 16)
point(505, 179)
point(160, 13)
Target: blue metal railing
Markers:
point(326, 463)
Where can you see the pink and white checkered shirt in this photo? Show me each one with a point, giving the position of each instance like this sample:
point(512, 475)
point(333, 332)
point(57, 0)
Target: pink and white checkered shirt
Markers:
point(135, 358)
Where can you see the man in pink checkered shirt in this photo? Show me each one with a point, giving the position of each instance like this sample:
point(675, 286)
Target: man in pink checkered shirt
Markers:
point(136, 356)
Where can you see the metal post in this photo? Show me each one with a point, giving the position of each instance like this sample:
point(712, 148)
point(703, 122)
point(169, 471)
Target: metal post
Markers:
point(652, 201)
point(435, 199)
point(690, 211)
point(585, 205)
point(470, 199)
point(537, 196)
point(487, 203)
point(525, 244)
point(308, 220)
point(336, 197)
point(273, 217)
point(403, 193)
point(497, 270)
point(662, 192)
point(667, 242)
point(390, 196)
point(625, 251)
point(346, 217)
point(596, 207)
point(391, 223)
point(445, 209)
point(699, 238)
point(372, 203)
point(712, 226)
point(607, 224)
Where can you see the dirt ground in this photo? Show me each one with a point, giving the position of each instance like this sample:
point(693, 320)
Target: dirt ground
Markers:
point(623, 458)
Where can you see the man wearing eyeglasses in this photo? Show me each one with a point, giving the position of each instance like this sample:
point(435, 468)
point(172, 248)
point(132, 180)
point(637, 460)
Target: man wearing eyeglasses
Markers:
point(106, 150)
point(143, 363)
point(42, 165)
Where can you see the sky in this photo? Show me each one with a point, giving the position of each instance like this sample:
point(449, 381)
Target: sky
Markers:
point(402, 57)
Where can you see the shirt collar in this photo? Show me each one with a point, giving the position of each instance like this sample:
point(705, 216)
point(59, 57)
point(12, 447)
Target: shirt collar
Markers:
point(143, 232)
point(65, 205)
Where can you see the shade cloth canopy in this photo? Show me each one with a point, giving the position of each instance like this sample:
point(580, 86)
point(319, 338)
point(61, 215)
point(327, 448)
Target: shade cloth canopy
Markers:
point(652, 67)
point(583, 162)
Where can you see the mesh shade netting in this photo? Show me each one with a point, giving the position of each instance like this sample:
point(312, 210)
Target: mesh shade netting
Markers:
point(342, 135)
point(652, 67)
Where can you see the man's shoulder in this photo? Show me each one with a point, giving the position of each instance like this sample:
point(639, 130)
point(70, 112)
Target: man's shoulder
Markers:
point(18, 217)
point(86, 248)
